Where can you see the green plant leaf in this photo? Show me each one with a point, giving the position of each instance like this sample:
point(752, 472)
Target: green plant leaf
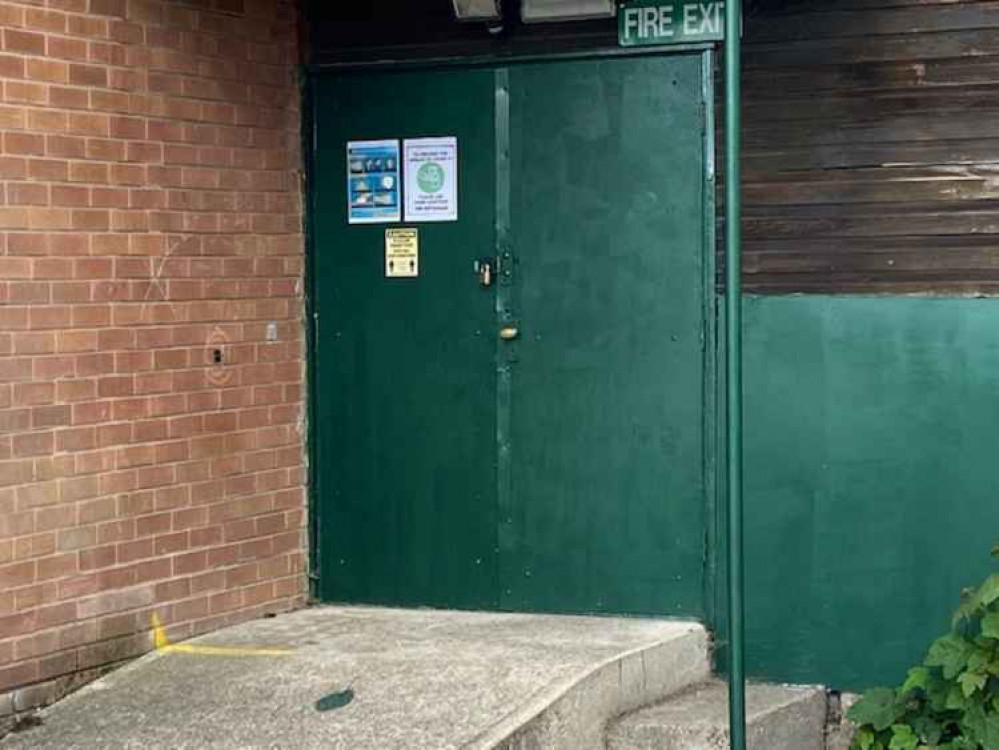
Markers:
point(903, 738)
point(958, 744)
point(988, 592)
point(990, 739)
point(937, 691)
point(956, 699)
point(918, 679)
point(863, 739)
point(951, 700)
point(950, 653)
point(981, 727)
point(971, 682)
point(979, 659)
point(876, 708)
point(928, 730)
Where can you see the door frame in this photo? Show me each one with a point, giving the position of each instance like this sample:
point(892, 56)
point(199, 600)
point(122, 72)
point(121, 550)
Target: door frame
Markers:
point(308, 75)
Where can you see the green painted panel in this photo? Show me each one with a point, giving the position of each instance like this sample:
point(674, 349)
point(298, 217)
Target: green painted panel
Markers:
point(870, 477)
point(405, 374)
point(606, 507)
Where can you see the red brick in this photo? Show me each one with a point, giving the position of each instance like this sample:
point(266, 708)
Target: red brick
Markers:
point(15, 472)
point(153, 570)
point(191, 609)
point(36, 18)
point(59, 566)
point(67, 49)
point(36, 545)
point(52, 71)
point(27, 194)
point(117, 601)
point(24, 672)
point(191, 562)
point(33, 444)
point(23, 143)
point(12, 66)
point(173, 590)
point(86, 26)
point(137, 550)
point(171, 543)
point(94, 511)
point(17, 574)
point(28, 42)
point(98, 557)
point(28, 93)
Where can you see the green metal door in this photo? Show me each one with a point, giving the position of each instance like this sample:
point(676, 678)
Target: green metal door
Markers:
point(607, 502)
point(559, 467)
point(405, 376)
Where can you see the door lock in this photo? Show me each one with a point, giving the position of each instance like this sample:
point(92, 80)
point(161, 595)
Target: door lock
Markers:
point(509, 333)
point(484, 270)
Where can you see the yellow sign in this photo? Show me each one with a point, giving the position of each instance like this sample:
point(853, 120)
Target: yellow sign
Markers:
point(402, 252)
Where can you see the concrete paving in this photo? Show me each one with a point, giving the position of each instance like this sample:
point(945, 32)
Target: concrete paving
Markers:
point(422, 680)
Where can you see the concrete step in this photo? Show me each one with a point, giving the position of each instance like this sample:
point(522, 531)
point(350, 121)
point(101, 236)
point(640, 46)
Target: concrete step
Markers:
point(778, 718)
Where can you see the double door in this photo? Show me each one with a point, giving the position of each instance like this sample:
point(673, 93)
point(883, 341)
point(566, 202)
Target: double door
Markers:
point(521, 425)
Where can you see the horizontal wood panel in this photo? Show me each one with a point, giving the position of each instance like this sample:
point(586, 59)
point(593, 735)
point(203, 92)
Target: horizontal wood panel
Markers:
point(871, 107)
point(837, 22)
point(848, 224)
point(911, 47)
point(860, 79)
point(839, 193)
point(862, 155)
point(855, 263)
point(898, 173)
point(871, 148)
point(892, 246)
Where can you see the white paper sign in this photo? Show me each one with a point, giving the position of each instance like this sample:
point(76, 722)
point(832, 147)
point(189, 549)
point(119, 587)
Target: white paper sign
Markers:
point(431, 174)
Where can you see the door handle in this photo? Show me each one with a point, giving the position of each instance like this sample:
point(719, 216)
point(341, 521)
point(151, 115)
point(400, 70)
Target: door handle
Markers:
point(509, 333)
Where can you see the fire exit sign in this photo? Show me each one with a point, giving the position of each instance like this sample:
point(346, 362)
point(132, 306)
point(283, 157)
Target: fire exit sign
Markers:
point(648, 22)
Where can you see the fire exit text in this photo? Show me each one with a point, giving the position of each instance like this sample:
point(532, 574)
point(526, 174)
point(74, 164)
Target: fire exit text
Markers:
point(648, 22)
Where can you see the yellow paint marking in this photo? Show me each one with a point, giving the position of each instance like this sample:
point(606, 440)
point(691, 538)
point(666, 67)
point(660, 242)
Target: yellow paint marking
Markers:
point(184, 648)
point(162, 643)
point(160, 640)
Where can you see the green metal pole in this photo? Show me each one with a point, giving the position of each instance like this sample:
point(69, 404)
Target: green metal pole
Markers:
point(733, 357)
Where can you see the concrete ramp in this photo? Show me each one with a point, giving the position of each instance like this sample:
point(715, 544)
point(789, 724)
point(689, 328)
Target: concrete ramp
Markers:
point(417, 680)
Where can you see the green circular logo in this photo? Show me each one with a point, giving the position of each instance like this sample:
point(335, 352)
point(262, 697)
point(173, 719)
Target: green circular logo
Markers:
point(430, 177)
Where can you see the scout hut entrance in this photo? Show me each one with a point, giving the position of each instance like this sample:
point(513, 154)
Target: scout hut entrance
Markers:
point(511, 268)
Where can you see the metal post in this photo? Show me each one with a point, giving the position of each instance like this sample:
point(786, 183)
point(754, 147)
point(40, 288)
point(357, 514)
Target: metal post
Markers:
point(733, 356)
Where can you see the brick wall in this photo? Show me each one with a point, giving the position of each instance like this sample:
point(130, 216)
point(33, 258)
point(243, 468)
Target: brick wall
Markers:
point(150, 224)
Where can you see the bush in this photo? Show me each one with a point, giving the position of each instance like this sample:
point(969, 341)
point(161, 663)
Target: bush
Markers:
point(951, 700)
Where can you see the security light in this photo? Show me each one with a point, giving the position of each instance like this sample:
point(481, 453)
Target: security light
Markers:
point(533, 11)
point(477, 10)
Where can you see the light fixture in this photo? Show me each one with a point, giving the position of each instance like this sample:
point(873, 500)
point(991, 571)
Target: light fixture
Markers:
point(477, 10)
point(535, 11)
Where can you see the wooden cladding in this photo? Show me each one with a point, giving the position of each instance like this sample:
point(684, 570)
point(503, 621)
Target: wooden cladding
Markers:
point(871, 148)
